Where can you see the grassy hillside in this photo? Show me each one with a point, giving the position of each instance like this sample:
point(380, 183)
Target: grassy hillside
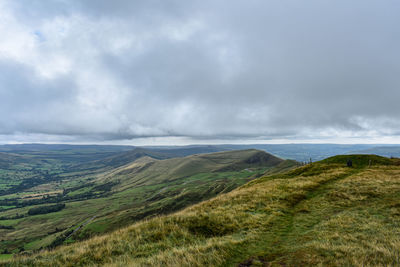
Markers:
point(323, 214)
point(386, 151)
point(101, 201)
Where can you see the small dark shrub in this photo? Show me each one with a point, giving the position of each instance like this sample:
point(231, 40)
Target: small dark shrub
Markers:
point(349, 163)
point(209, 226)
point(46, 209)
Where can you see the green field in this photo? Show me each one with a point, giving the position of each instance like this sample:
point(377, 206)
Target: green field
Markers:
point(4, 257)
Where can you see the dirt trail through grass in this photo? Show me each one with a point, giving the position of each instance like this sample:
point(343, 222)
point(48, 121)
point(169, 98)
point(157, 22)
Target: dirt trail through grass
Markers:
point(285, 230)
point(81, 226)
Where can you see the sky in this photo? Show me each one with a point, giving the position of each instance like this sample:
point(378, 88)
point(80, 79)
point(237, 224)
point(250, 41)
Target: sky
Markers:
point(211, 71)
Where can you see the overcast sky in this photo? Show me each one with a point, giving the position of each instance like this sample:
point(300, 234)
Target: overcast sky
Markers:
point(209, 71)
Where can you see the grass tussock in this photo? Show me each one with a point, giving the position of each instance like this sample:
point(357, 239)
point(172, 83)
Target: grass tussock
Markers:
point(321, 214)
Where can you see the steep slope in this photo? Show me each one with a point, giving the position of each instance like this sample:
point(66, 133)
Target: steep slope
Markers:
point(101, 202)
point(175, 168)
point(323, 214)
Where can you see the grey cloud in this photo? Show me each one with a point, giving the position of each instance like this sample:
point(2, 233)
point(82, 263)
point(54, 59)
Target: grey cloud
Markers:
point(205, 69)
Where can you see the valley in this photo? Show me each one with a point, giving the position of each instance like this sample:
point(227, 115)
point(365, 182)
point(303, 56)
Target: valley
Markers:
point(54, 197)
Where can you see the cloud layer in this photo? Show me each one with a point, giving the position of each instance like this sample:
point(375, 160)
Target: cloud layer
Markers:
point(119, 70)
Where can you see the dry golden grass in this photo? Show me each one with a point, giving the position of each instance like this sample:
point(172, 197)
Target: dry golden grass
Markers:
point(322, 215)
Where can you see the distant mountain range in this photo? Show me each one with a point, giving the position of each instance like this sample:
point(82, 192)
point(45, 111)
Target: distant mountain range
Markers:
point(116, 154)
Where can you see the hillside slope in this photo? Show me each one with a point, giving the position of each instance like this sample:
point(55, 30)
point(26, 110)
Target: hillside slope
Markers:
point(320, 214)
point(102, 202)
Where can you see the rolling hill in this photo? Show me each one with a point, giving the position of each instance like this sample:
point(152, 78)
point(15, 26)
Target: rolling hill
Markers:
point(108, 198)
point(385, 151)
point(321, 214)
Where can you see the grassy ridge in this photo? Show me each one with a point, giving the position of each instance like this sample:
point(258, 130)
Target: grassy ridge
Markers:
point(361, 160)
point(322, 214)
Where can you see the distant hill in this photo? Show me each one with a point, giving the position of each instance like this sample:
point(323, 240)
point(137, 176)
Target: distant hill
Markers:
point(122, 158)
point(174, 168)
point(63, 154)
point(321, 214)
point(303, 152)
point(62, 147)
point(385, 151)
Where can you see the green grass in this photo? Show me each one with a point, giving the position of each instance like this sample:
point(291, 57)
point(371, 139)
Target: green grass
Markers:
point(4, 257)
point(38, 243)
point(9, 222)
point(97, 227)
point(361, 160)
point(324, 214)
point(79, 191)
